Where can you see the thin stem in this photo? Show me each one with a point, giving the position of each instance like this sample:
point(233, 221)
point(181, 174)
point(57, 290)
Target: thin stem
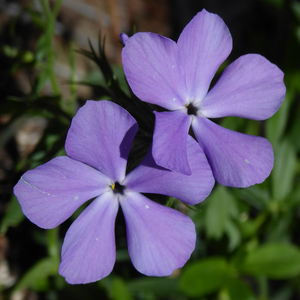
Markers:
point(53, 243)
point(73, 86)
point(263, 287)
point(49, 31)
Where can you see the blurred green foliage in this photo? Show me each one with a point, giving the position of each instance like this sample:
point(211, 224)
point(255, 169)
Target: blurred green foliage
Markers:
point(248, 243)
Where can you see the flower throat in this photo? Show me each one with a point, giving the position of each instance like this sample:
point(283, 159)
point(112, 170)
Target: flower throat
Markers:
point(118, 188)
point(191, 109)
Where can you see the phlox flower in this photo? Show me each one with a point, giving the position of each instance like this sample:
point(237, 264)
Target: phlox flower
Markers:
point(177, 77)
point(160, 239)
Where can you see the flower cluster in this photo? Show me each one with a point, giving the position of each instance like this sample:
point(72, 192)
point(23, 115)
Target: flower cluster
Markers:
point(177, 77)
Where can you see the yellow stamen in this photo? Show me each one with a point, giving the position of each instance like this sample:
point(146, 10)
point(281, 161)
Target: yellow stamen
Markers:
point(113, 186)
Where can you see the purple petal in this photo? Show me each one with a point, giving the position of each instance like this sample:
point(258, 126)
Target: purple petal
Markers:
point(52, 192)
point(160, 239)
point(203, 46)
point(151, 66)
point(124, 37)
point(150, 178)
point(237, 159)
point(169, 140)
point(100, 135)
point(251, 87)
point(89, 251)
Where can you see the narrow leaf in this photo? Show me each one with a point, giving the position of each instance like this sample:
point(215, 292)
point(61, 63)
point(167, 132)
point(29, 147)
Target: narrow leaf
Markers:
point(284, 170)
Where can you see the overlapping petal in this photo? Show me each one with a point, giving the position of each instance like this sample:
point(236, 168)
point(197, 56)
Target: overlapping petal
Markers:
point(237, 159)
point(192, 189)
point(52, 192)
point(89, 251)
point(250, 87)
point(153, 71)
point(169, 140)
point(100, 135)
point(203, 46)
point(160, 239)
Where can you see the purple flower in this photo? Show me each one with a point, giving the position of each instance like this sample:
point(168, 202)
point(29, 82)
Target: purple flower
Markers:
point(177, 76)
point(160, 239)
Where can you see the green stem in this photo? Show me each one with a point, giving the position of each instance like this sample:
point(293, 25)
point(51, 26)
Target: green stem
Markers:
point(50, 20)
point(53, 243)
point(73, 86)
point(263, 287)
point(56, 8)
point(46, 9)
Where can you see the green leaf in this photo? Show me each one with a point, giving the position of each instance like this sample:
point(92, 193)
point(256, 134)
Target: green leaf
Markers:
point(279, 228)
point(276, 124)
point(274, 260)
point(122, 255)
point(255, 196)
point(204, 277)
point(9, 51)
point(252, 128)
point(293, 133)
point(284, 170)
point(239, 290)
point(293, 200)
point(220, 206)
point(172, 202)
point(119, 290)
point(13, 217)
point(36, 277)
point(249, 227)
point(233, 123)
point(233, 233)
point(162, 287)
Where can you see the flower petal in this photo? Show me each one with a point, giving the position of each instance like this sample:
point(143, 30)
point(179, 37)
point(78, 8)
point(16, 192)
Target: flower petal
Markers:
point(237, 159)
point(169, 141)
point(160, 239)
point(148, 177)
point(250, 87)
point(124, 37)
point(52, 192)
point(203, 46)
point(100, 135)
point(89, 251)
point(151, 66)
